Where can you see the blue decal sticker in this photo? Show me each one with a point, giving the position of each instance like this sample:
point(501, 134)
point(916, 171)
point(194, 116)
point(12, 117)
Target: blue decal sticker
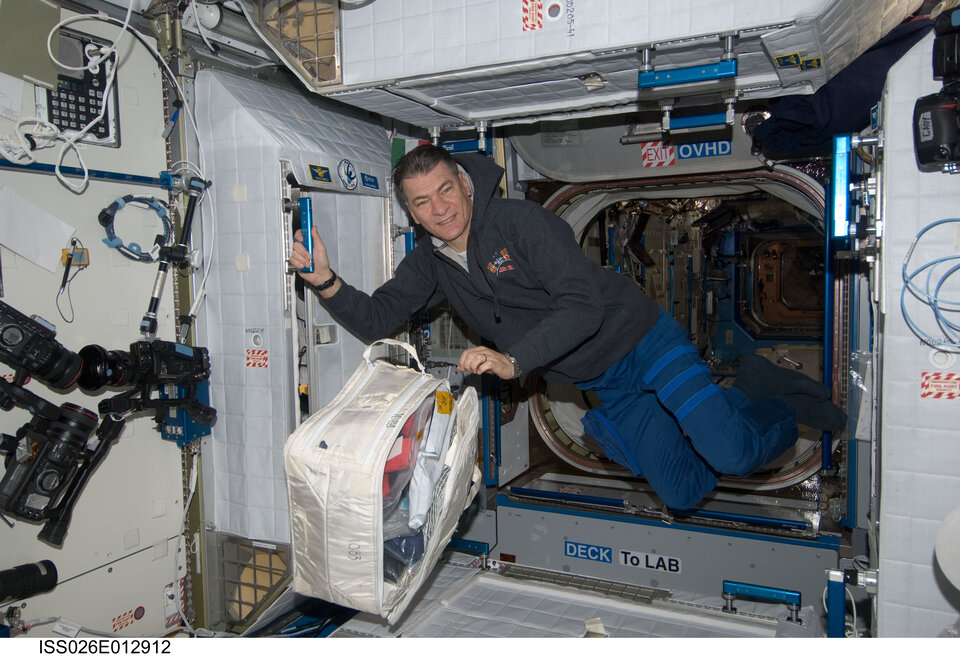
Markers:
point(320, 173)
point(813, 62)
point(786, 61)
point(369, 181)
point(348, 174)
point(704, 149)
point(588, 552)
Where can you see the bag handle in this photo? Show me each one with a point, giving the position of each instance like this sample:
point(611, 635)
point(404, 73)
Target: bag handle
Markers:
point(393, 342)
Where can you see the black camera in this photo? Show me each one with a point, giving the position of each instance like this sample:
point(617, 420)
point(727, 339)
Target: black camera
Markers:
point(153, 363)
point(936, 118)
point(30, 343)
point(50, 458)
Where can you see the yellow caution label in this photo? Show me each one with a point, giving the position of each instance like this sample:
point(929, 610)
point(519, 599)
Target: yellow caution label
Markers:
point(444, 403)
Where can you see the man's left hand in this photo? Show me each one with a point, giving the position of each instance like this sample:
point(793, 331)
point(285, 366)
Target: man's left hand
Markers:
point(483, 360)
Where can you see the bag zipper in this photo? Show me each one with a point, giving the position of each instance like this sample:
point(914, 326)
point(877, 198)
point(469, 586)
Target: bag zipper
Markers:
point(402, 400)
point(319, 427)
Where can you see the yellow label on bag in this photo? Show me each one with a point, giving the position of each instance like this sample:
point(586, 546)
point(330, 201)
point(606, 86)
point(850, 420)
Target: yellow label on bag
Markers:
point(444, 403)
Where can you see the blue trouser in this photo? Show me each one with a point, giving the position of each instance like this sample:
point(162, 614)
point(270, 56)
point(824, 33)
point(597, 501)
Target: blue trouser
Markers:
point(664, 418)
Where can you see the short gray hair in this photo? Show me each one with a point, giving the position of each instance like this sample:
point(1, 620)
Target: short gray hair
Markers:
point(420, 161)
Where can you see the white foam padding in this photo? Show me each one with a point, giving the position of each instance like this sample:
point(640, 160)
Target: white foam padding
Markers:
point(920, 458)
point(246, 129)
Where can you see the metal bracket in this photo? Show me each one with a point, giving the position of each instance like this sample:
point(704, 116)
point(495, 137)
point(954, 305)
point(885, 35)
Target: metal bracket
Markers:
point(670, 123)
point(650, 78)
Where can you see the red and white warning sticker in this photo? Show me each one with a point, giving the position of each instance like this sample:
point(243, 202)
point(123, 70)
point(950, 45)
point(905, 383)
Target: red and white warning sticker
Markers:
point(256, 340)
point(532, 12)
point(128, 618)
point(257, 358)
point(939, 385)
point(658, 153)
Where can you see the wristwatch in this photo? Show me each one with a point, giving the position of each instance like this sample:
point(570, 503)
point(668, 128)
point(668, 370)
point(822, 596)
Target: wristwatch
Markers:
point(328, 284)
point(517, 371)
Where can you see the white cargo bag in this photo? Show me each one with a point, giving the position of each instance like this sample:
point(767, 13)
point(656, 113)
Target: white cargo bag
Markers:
point(335, 463)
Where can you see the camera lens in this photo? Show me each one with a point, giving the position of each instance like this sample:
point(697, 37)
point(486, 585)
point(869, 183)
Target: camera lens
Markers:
point(102, 367)
point(63, 369)
point(11, 336)
point(27, 580)
point(49, 480)
point(74, 425)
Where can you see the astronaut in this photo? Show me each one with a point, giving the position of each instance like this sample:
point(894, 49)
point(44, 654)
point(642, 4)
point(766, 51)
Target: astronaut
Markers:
point(515, 273)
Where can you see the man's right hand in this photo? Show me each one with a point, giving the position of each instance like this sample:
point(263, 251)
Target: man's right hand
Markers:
point(300, 258)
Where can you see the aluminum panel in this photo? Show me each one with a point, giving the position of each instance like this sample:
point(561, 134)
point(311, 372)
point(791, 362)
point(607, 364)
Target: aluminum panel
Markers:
point(648, 554)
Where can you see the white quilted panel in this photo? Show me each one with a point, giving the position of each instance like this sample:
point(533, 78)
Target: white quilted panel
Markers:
point(482, 60)
point(246, 129)
point(920, 458)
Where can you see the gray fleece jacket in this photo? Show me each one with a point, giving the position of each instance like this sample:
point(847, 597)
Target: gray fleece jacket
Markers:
point(530, 289)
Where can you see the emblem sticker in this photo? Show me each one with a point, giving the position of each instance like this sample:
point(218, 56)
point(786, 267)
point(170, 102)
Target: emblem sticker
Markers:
point(347, 173)
point(320, 173)
point(787, 61)
point(796, 60)
point(369, 181)
point(501, 262)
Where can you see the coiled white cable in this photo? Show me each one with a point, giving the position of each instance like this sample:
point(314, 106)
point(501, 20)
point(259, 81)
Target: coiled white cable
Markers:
point(95, 60)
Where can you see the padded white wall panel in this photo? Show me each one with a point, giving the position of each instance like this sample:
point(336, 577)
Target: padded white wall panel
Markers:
point(427, 50)
point(247, 130)
point(920, 461)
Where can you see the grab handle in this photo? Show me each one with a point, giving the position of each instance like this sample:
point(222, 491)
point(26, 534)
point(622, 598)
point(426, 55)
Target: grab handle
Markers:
point(734, 589)
point(393, 342)
point(668, 77)
point(650, 78)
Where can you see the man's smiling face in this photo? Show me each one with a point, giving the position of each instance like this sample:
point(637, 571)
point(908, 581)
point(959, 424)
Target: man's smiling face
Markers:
point(440, 202)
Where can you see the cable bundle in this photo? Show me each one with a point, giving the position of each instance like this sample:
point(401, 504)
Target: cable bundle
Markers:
point(938, 272)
